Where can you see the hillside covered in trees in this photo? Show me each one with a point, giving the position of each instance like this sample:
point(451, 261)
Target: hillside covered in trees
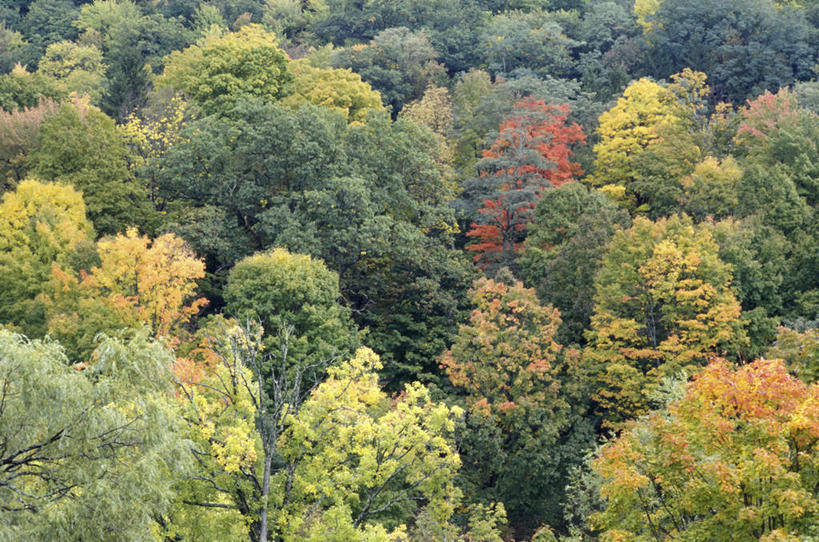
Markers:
point(409, 270)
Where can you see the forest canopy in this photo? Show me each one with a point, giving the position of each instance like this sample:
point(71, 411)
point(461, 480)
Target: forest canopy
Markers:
point(409, 271)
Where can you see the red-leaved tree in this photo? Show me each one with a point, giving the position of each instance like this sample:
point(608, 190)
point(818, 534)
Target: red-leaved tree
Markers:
point(530, 154)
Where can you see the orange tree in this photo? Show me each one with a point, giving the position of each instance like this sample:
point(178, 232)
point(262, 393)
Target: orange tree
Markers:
point(736, 458)
point(524, 394)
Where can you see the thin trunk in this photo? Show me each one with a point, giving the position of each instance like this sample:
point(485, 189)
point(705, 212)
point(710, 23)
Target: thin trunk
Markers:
point(265, 492)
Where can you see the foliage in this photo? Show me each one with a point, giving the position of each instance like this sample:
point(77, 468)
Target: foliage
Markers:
point(525, 393)
point(98, 447)
point(367, 199)
point(20, 89)
point(745, 47)
point(532, 40)
point(530, 155)
point(81, 146)
point(628, 129)
point(74, 68)
point(223, 70)
point(565, 245)
point(799, 351)
point(18, 139)
point(49, 21)
point(663, 305)
point(398, 63)
point(279, 288)
point(136, 282)
point(339, 90)
point(364, 461)
point(736, 457)
point(40, 224)
point(338, 457)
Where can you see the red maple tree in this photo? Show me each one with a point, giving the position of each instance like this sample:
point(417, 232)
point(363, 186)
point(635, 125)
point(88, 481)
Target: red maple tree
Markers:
point(531, 154)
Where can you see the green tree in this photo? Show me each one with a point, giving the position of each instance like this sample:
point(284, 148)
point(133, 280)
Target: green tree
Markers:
point(20, 89)
point(565, 245)
point(283, 289)
point(83, 147)
point(663, 305)
point(368, 199)
point(87, 454)
point(49, 21)
point(223, 70)
point(532, 40)
point(398, 63)
point(745, 47)
point(74, 68)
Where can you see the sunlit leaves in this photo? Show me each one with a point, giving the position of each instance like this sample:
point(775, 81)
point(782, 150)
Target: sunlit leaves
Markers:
point(736, 458)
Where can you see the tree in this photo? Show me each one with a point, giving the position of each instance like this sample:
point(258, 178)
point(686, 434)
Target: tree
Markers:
point(745, 47)
point(49, 21)
point(13, 48)
point(566, 242)
point(525, 395)
point(81, 146)
point(18, 139)
point(74, 68)
point(398, 63)
point(365, 463)
point(368, 199)
point(532, 40)
point(626, 130)
point(224, 70)
point(734, 458)
point(776, 132)
point(613, 48)
point(40, 224)
point(531, 154)
point(339, 90)
point(280, 288)
point(663, 305)
point(799, 350)
point(20, 89)
point(434, 111)
point(337, 459)
point(136, 282)
point(86, 453)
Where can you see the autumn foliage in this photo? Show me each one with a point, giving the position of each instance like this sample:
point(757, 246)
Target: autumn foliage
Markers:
point(739, 451)
point(137, 282)
point(531, 154)
point(506, 357)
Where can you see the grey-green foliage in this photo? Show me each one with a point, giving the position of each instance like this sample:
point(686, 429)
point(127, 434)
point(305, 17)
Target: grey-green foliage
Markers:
point(86, 454)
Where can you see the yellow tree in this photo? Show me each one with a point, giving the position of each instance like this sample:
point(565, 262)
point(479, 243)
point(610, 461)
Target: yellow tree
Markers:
point(336, 89)
point(40, 224)
point(137, 282)
point(736, 457)
point(649, 140)
point(663, 305)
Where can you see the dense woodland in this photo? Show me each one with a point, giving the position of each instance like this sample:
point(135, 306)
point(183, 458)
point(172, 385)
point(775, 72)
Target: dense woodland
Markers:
point(409, 270)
